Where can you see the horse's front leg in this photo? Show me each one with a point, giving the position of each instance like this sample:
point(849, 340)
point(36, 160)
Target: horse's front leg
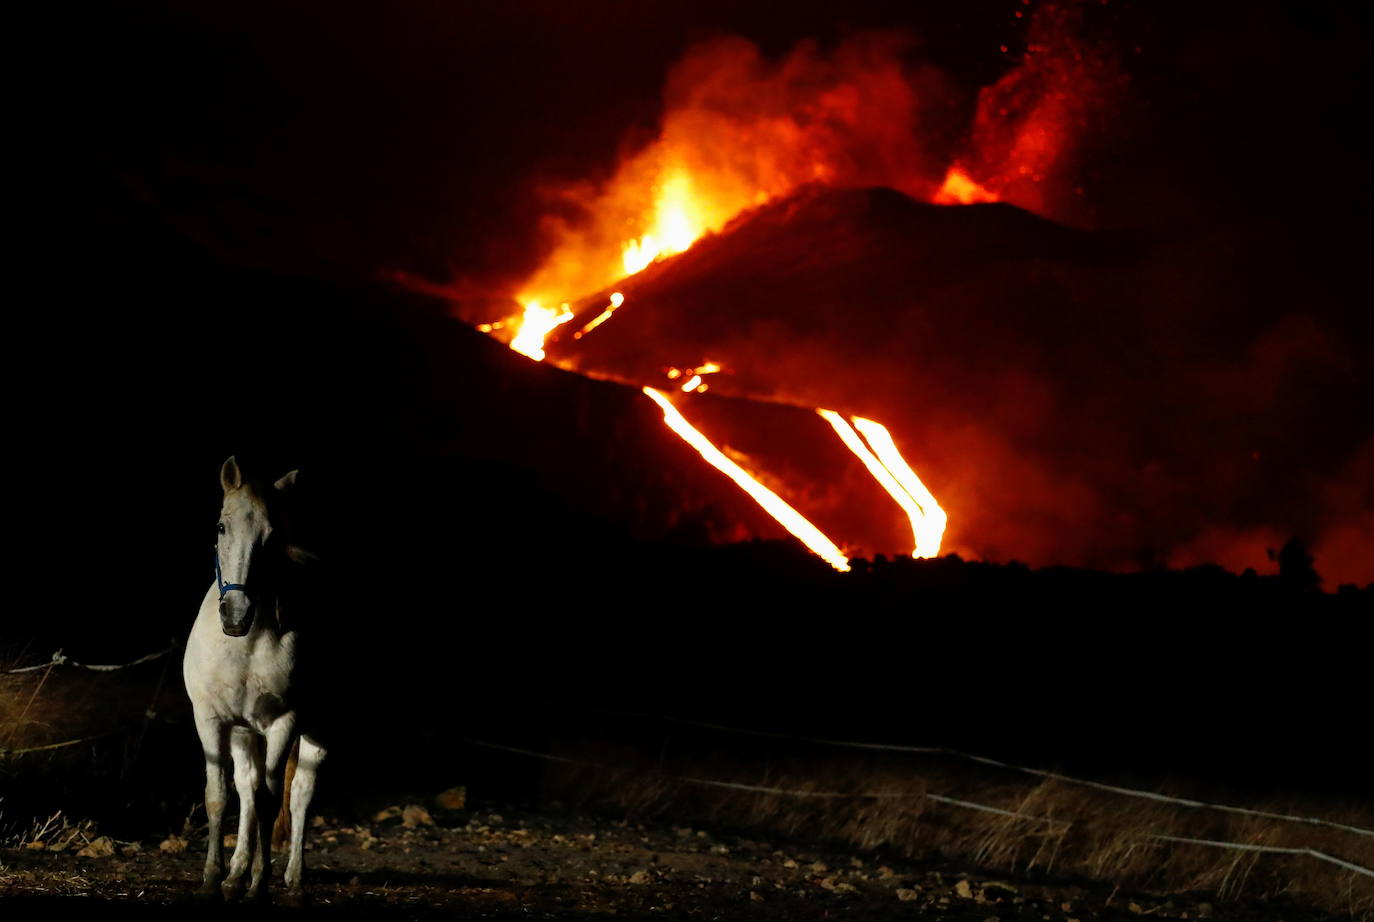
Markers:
point(214, 742)
point(247, 777)
point(280, 736)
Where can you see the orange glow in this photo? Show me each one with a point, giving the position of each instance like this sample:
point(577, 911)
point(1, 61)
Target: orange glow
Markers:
point(933, 521)
point(773, 504)
point(617, 299)
point(737, 132)
point(960, 189)
point(694, 382)
point(923, 526)
point(536, 325)
point(678, 222)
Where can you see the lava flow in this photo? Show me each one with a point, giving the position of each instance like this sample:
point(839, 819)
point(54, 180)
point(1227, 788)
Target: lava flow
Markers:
point(773, 504)
point(740, 132)
point(890, 469)
point(675, 225)
point(880, 455)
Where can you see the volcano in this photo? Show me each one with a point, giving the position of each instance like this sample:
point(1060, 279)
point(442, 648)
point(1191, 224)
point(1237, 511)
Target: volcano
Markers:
point(1044, 380)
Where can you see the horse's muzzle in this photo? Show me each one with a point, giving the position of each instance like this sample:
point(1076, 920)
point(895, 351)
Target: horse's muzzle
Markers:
point(236, 615)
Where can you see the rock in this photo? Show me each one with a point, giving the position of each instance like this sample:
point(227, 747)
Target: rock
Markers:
point(639, 877)
point(102, 847)
point(906, 896)
point(789, 863)
point(827, 883)
point(173, 845)
point(414, 816)
point(452, 799)
point(963, 889)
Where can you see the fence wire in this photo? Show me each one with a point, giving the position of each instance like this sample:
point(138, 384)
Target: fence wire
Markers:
point(968, 804)
point(984, 760)
point(61, 659)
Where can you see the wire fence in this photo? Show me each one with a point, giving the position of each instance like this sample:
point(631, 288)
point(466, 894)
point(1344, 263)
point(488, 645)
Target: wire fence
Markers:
point(984, 760)
point(60, 659)
point(938, 798)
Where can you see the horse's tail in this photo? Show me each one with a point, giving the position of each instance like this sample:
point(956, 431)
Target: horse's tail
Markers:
point(281, 830)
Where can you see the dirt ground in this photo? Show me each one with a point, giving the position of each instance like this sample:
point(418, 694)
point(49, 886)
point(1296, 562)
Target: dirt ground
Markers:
point(508, 862)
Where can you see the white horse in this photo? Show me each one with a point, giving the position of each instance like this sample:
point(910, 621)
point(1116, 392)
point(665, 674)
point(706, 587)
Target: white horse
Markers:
point(241, 674)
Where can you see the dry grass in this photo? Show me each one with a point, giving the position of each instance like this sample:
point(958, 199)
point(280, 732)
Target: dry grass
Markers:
point(54, 833)
point(69, 737)
point(1063, 829)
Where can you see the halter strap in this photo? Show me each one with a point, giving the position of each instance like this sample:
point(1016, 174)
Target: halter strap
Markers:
point(223, 586)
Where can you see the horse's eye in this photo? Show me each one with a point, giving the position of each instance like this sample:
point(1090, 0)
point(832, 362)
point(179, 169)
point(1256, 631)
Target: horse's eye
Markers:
point(221, 528)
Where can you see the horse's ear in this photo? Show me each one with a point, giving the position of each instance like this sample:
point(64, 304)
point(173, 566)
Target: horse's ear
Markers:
point(230, 477)
point(287, 481)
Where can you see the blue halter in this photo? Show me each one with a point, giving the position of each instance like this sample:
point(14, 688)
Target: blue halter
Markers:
point(230, 587)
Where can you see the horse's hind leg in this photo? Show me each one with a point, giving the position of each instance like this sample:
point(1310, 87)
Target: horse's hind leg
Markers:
point(302, 789)
point(269, 790)
point(214, 741)
point(247, 777)
point(281, 829)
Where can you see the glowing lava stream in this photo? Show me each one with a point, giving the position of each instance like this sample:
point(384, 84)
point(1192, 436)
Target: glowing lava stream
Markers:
point(886, 450)
point(679, 220)
point(536, 325)
point(897, 478)
point(617, 299)
point(773, 504)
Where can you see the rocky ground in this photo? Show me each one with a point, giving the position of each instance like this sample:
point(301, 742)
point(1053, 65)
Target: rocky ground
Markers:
point(509, 862)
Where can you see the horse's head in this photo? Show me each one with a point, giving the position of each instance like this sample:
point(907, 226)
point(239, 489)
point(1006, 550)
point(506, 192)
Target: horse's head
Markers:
point(251, 546)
